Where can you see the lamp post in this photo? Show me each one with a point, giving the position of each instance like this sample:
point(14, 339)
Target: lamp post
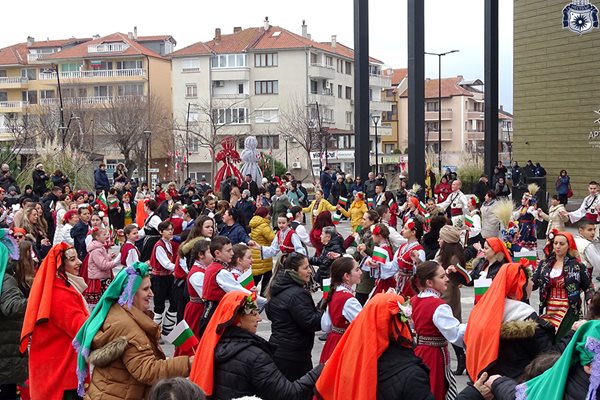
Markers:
point(285, 138)
point(375, 119)
point(62, 129)
point(147, 135)
point(440, 55)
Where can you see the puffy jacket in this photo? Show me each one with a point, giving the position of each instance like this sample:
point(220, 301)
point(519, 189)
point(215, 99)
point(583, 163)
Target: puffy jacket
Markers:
point(63, 234)
point(402, 375)
point(262, 234)
point(355, 213)
point(294, 319)
point(13, 367)
point(39, 181)
point(236, 233)
point(324, 205)
point(335, 245)
point(127, 358)
point(244, 367)
point(101, 180)
point(100, 264)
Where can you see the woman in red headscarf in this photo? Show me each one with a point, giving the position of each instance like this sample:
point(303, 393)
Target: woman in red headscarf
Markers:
point(561, 278)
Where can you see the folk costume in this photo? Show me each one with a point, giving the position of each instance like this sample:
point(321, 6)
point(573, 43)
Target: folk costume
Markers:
point(382, 285)
point(229, 156)
point(473, 235)
point(149, 235)
point(56, 310)
point(195, 307)
point(99, 272)
point(527, 217)
point(162, 262)
point(342, 309)
point(285, 241)
point(435, 327)
point(589, 210)
point(458, 203)
point(129, 254)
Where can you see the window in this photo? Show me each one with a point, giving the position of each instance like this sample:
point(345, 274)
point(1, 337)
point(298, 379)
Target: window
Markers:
point(190, 65)
point(229, 61)
point(374, 70)
point(47, 94)
point(265, 60)
point(340, 91)
point(370, 94)
point(329, 61)
point(388, 148)
point(224, 116)
point(130, 90)
point(3, 96)
point(266, 87)
point(349, 119)
point(3, 73)
point(81, 92)
point(348, 93)
point(103, 91)
point(29, 73)
point(68, 92)
point(30, 96)
point(129, 64)
point(240, 88)
point(193, 145)
point(71, 67)
point(328, 115)
point(267, 116)
point(431, 126)
point(313, 58)
point(344, 141)
point(339, 66)
point(432, 106)
point(348, 68)
point(191, 90)
point(268, 142)
point(193, 117)
point(101, 65)
point(314, 87)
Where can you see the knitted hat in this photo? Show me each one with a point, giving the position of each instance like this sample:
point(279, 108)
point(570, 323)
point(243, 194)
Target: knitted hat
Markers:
point(122, 289)
point(450, 234)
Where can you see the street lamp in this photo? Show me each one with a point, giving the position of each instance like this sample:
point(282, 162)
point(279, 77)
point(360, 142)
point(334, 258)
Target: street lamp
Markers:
point(375, 119)
point(62, 129)
point(439, 55)
point(147, 135)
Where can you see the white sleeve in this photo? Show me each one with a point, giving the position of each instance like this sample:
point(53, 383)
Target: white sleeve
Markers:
point(388, 269)
point(476, 228)
point(154, 222)
point(396, 239)
point(271, 251)
point(449, 326)
point(227, 282)
point(592, 253)
point(351, 309)
point(163, 259)
point(132, 257)
point(326, 324)
point(88, 240)
point(465, 203)
point(303, 235)
point(444, 204)
point(183, 264)
point(197, 281)
point(576, 215)
point(298, 247)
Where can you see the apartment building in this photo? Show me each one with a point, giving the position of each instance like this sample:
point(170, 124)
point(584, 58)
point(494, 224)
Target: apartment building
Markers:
point(249, 82)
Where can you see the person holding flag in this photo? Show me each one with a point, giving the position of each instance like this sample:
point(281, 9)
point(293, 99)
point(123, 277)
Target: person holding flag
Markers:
point(382, 251)
point(355, 212)
point(121, 341)
point(340, 306)
point(473, 223)
point(394, 210)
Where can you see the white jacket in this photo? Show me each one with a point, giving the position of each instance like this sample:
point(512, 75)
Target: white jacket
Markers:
point(63, 234)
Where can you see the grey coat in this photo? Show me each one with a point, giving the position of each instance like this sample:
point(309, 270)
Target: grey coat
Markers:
point(13, 367)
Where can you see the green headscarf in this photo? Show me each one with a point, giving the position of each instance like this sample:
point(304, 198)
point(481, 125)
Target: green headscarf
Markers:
point(122, 289)
point(7, 244)
point(584, 349)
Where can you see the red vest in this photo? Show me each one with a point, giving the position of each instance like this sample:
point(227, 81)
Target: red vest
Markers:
point(422, 315)
point(336, 306)
point(125, 251)
point(286, 246)
point(211, 291)
point(158, 269)
point(178, 272)
point(405, 263)
point(191, 290)
point(177, 225)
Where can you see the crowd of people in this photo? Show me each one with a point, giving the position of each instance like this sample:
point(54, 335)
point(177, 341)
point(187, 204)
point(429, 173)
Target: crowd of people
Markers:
point(94, 282)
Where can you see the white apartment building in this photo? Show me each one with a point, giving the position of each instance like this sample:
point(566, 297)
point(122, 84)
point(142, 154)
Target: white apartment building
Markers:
point(247, 82)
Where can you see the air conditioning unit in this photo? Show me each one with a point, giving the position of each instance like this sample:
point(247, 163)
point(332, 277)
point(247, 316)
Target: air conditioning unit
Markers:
point(296, 165)
point(219, 83)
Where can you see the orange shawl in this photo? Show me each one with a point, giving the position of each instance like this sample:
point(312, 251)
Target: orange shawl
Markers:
point(204, 363)
point(482, 337)
point(499, 247)
point(351, 372)
point(140, 213)
point(40, 297)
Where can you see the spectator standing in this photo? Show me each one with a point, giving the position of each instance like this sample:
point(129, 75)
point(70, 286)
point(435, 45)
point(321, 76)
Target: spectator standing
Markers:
point(517, 174)
point(481, 187)
point(6, 179)
point(357, 186)
point(250, 185)
point(203, 186)
point(539, 170)
point(338, 190)
point(12, 197)
point(100, 179)
point(39, 179)
point(59, 179)
point(502, 190)
point(370, 186)
point(529, 169)
point(326, 182)
point(120, 175)
point(563, 186)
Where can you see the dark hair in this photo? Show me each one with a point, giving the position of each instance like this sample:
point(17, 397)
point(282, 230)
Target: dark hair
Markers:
point(540, 364)
point(152, 205)
point(373, 216)
point(56, 189)
point(129, 228)
point(176, 389)
point(555, 197)
point(418, 229)
point(437, 223)
point(593, 183)
point(382, 209)
point(295, 210)
point(61, 271)
point(491, 194)
point(384, 231)
point(196, 230)
point(200, 247)
point(208, 199)
point(339, 268)
point(425, 271)
point(293, 260)
point(322, 220)
point(450, 253)
point(80, 210)
point(594, 307)
point(191, 211)
point(25, 268)
point(389, 196)
point(164, 226)
point(217, 244)
point(239, 250)
point(583, 223)
point(233, 213)
point(176, 206)
point(563, 170)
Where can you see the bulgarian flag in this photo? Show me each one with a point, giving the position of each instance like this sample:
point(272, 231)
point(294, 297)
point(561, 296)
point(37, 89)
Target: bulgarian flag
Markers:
point(469, 221)
point(101, 201)
point(182, 336)
point(427, 218)
point(247, 279)
point(342, 201)
point(379, 254)
point(370, 202)
point(113, 202)
point(463, 273)
point(481, 286)
point(326, 287)
point(336, 218)
point(390, 202)
point(422, 207)
point(524, 254)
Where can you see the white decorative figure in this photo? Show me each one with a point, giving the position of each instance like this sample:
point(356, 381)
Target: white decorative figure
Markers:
point(250, 157)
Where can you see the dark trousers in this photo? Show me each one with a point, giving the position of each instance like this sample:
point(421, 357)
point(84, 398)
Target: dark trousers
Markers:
point(264, 280)
point(180, 297)
point(293, 369)
point(563, 198)
point(162, 287)
point(8, 392)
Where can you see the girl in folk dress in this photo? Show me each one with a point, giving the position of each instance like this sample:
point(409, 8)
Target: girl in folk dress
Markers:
point(341, 307)
point(435, 327)
point(381, 238)
point(390, 201)
point(241, 260)
point(286, 241)
point(129, 253)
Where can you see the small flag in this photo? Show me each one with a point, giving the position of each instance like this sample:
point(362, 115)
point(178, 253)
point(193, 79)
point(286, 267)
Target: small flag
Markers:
point(370, 202)
point(182, 336)
point(113, 202)
point(197, 201)
point(529, 255)
point(101, 201)
point(336, 218)
point(247, 279)
point(342, 201)
point(421, 207)
point(390, 202)
point(326, 287)
point(379, 254)
point(481, 286)
point(464, 275)
point(427, 218)
point(469, 221)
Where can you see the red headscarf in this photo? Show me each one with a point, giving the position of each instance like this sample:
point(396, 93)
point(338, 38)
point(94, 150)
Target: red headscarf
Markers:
point(351, 372)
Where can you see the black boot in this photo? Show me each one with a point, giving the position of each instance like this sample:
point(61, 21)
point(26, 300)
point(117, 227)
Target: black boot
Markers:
point(461, 360)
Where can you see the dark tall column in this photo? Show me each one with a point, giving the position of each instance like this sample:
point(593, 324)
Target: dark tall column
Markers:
point(491, 86)
point(416, 92)
point(361, 88)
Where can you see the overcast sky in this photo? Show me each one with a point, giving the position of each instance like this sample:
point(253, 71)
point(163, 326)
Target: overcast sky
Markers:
point(449, 25)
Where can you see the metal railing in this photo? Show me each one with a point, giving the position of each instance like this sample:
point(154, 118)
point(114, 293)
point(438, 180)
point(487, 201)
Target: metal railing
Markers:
point(107, 47)
point(100, 73)
point(89, 100)
point(15, 79)
point(13, 104)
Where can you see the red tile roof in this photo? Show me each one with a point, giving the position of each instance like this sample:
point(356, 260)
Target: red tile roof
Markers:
point(450, 87)
point(57, 43)
point(15, 54)
point(398, 75)
point(156, 38)
point(81, 51)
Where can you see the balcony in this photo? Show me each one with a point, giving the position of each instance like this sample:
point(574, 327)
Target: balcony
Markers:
point(15, 82)
point(108, 47)
point(382, 130)
point(433, 136)
point(12, 106)
point(6, 129)
point(472, 114)
point(98, 74)
point(381, 81)
point(475, 135)
point(230, 74)
point(434, 115)
point(35, 57)
point(376, 105)
point(316, 70)
point(323, 97)
point(90, 100)
point(233, 96)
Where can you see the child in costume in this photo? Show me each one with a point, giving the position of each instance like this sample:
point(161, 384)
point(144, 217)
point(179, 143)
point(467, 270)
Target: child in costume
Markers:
point(381, 238)
point(527, 216)
point(99, 268)
point(129, 253)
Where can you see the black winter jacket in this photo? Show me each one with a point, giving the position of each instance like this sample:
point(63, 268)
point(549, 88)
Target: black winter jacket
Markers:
point(13, 367)
point(39, 181)
point(294, 319)
point(335, 245)
point(402, 375)
point(244, 367)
